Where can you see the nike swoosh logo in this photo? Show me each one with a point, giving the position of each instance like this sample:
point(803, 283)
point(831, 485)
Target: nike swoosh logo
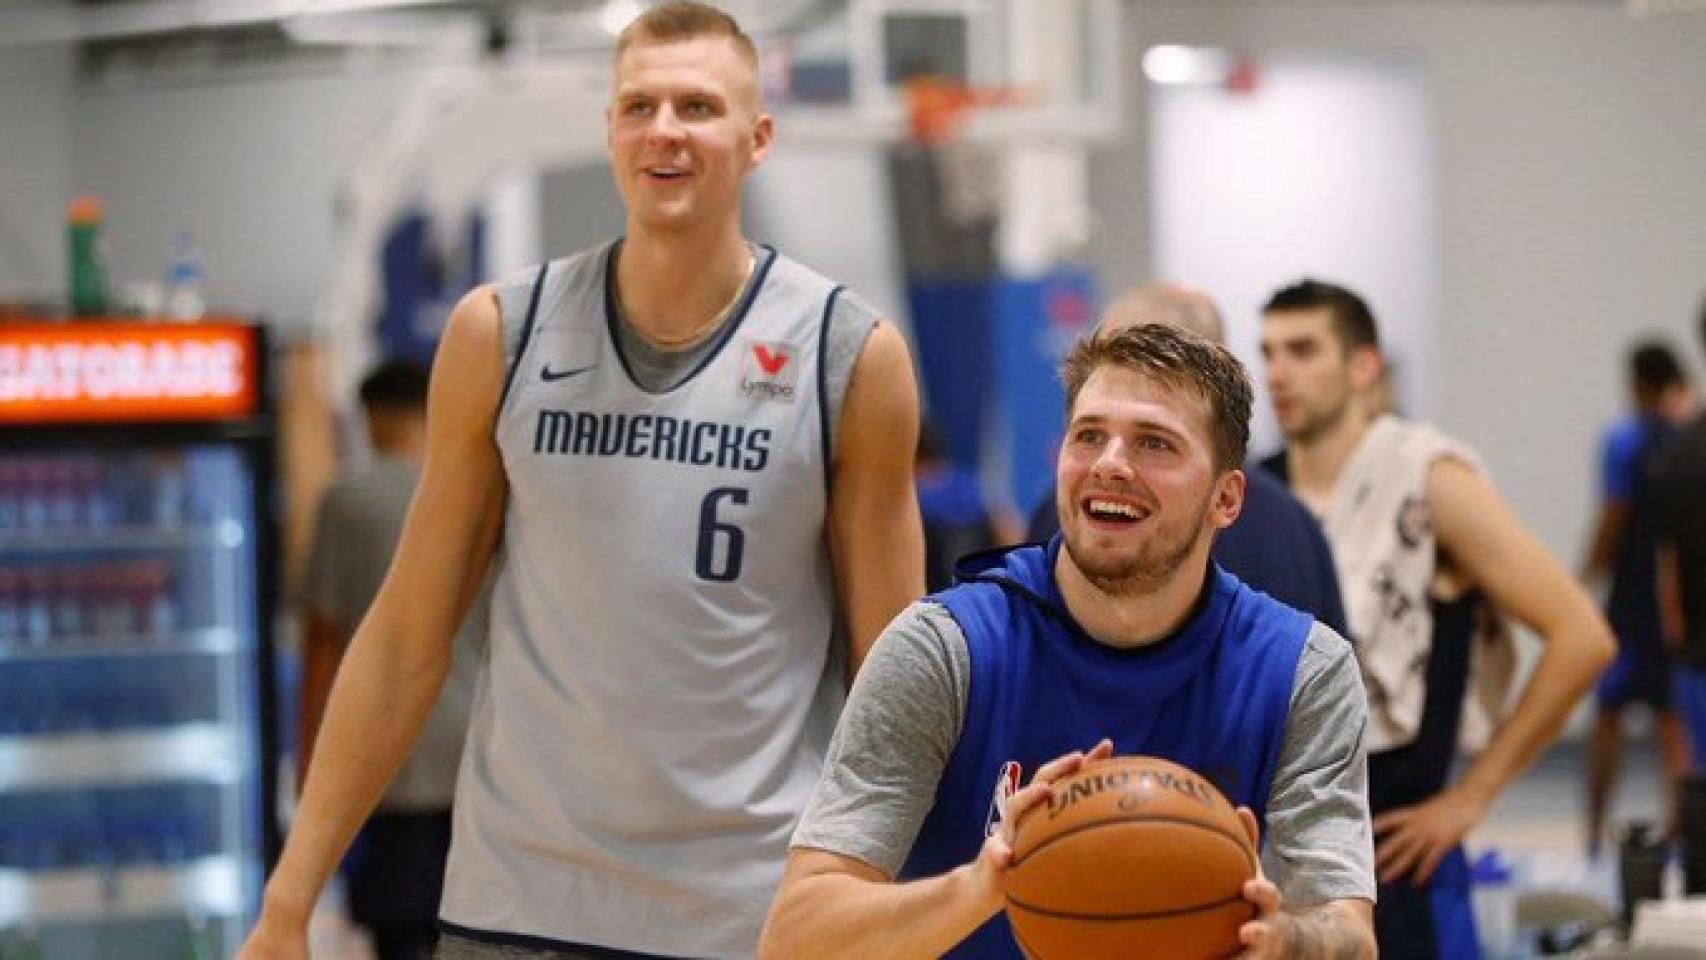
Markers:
point(548, 375)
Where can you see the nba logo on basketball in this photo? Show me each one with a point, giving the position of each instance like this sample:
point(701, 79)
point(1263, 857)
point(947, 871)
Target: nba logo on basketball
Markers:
point(769, 371)
point(1006, 784)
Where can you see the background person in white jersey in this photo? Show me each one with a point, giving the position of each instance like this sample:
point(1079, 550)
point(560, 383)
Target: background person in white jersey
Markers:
point(677, 450)
point(1431, 560)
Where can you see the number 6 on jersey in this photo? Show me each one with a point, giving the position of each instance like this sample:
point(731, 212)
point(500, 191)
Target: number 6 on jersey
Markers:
point(704, 559)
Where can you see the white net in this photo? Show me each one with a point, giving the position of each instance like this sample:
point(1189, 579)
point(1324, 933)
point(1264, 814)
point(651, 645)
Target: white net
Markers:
point(973, 175)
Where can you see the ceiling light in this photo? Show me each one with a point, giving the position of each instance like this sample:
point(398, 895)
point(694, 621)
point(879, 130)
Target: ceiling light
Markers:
point(1173, 64)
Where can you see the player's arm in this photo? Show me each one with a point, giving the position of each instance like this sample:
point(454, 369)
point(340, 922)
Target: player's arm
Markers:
point(1485, 539)
point(1319, 838)
point(397, 661)
point(832, 906)
point(876, 533)
point(1335, 930)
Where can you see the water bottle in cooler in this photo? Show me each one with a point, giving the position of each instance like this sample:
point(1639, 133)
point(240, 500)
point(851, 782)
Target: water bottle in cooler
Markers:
point(11, 489)
point(11, 607)
point(32, 494)
point(37, 606)
point(100, 511)
point(156, 605)
point(70, 594)
point(64, 500)
point(166, 507)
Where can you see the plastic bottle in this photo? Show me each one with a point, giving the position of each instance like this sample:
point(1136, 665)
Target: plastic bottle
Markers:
point(64, 499)
point(22, 943)
point(70, 600)
point(32, 494)
point(1641, 860)
point(155, 599)
point(166, 511)
point(11, 607)
point(37, 607)
point(88, 273)
point(1493, 881)
point(11, 490)
point(200, 939)
point(184, 297)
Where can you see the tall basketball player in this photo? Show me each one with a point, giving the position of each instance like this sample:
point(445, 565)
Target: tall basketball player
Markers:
point(688, 459)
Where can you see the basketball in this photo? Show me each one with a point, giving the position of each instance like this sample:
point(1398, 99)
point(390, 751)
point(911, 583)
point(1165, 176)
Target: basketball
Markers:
point(1132, 858)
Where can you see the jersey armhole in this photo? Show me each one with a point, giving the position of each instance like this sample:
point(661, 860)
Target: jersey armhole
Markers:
point(526, 333)
point(827, 428)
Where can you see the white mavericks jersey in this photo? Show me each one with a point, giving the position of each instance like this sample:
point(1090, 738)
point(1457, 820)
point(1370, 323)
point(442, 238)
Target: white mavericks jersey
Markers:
point(660, 688)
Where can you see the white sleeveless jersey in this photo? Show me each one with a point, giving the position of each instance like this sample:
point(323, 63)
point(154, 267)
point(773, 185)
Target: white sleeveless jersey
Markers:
point(660, 688)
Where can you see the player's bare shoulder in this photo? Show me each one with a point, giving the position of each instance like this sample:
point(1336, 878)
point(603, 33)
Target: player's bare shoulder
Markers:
point(468, 372)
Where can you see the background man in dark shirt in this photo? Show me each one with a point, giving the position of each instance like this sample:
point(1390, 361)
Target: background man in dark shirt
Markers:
point(1682, 572)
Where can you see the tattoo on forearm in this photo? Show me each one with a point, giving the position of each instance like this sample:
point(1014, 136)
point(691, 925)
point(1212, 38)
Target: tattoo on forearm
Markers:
point(1321, 936)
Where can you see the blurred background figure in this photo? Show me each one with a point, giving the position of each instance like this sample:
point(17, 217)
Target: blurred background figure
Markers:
point(960, 517)
point(1682, 597)
point(1682, 571)
point(1624, 548)
point(396, 869)
point(1433, 561)
point(1276, 545)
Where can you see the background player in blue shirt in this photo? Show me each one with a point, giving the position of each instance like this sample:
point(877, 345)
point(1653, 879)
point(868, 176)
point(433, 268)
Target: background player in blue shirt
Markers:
point(1625, 547)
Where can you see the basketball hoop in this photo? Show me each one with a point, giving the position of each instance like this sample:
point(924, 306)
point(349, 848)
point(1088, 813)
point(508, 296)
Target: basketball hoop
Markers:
point(972, 172)
point(938, 108)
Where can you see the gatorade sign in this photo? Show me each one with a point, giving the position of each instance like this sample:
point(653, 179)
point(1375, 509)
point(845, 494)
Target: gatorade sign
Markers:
point(127, 371)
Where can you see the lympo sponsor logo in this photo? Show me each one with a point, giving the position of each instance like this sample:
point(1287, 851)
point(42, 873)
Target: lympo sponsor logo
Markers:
point(769, 371)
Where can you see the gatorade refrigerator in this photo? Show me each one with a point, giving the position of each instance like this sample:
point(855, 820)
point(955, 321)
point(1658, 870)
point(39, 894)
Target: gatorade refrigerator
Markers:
point(137, 761)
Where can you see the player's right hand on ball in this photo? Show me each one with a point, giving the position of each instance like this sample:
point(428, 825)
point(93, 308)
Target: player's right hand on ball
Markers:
point(997, 853)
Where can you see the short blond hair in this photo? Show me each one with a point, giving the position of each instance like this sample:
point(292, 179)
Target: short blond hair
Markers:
point(686, 20)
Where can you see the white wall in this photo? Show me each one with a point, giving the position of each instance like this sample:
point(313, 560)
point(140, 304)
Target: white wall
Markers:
point(1571, 183)
point(1322, 170)
point(249, 167)
point(830, 208)
point(35, 180)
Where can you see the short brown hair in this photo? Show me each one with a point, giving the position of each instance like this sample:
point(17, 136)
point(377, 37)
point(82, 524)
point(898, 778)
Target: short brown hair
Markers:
point(1178, 359)
point(686, 20)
